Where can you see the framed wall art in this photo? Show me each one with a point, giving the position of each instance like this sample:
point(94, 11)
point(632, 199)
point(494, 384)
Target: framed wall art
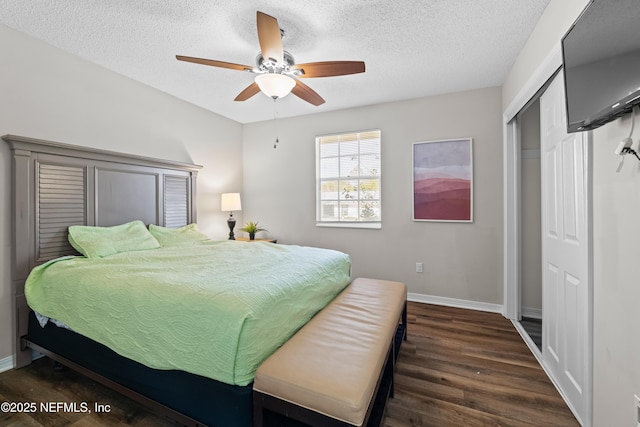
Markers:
point(443, 180)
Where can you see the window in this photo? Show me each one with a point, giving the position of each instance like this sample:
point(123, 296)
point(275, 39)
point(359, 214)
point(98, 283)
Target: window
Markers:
point(348, 180)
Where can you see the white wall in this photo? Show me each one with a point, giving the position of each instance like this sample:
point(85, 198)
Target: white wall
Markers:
point(46, 93)
point(461, 260)
point(616, 237)
point(616, 240)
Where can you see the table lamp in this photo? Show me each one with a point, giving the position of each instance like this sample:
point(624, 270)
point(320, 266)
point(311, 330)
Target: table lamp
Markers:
point(230, 202)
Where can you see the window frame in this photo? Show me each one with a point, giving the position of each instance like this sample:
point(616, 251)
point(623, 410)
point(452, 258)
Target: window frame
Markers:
point(340, 223)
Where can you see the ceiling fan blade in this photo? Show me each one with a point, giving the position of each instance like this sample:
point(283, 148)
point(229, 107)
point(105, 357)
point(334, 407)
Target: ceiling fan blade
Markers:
point(329, 68)
point(270, 38)
point(214, 63)
point(249, 91)
point(303, 91)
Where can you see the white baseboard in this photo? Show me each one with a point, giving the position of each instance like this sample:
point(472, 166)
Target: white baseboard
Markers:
point(6, 363)
point(453, 302)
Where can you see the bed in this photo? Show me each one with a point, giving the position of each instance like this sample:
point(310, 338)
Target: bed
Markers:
point(57, 188)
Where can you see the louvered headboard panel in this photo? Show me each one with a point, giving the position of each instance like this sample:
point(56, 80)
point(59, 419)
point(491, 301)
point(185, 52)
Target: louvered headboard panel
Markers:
point(57, 185)
point(61, 200)
point(177, 199)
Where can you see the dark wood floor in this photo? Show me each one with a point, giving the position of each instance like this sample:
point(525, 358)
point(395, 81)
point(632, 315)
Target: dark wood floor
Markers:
point(468, 368)
point(41, 382)
point(458, 368)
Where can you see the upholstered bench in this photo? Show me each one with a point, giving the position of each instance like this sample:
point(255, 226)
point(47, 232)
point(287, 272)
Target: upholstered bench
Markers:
point(330, 372)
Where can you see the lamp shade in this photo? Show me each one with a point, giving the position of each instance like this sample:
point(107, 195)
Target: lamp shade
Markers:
point(275, 85)
point(230, 202)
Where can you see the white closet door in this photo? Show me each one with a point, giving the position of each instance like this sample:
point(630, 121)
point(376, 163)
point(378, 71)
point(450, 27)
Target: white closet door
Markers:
point(565, 252)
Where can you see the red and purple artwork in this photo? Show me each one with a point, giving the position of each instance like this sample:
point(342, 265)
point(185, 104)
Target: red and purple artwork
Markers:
point(443, 180)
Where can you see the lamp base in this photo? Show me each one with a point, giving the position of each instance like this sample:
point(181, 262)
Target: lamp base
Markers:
point(231, 222)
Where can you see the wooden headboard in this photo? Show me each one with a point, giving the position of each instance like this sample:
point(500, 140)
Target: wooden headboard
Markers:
point(57, 185)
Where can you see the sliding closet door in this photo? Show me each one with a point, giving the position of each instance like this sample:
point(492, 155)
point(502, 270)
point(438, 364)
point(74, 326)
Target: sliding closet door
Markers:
point(565, 252)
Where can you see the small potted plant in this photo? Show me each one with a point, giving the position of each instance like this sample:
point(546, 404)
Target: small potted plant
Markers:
point(252, 228)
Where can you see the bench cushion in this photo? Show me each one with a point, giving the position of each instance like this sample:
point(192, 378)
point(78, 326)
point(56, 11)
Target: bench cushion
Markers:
point(332, 364)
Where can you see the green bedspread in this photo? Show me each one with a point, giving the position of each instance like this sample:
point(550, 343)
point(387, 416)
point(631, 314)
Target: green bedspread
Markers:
point(216, 309)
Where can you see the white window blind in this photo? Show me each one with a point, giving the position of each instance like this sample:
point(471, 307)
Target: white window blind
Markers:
point(348, 179)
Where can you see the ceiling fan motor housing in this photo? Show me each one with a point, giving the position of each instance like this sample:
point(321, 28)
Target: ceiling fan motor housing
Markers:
point(271, 66)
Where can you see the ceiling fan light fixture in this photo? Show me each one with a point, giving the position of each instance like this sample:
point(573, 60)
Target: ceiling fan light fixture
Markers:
point(277, 73)
point(275, 85)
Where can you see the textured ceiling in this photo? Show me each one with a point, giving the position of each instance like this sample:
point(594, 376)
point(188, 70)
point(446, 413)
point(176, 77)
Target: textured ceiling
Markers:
point(412, 48)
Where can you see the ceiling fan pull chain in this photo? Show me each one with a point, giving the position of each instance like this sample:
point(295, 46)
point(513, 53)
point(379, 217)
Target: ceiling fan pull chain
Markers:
point(275, 122)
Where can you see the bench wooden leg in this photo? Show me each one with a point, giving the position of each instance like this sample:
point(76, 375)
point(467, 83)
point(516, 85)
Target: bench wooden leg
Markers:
point(391, 367)
point(258, 410)
point(404, 320)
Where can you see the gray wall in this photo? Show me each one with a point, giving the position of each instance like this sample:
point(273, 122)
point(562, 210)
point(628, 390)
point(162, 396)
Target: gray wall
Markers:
point(616, 208)
point(49, 94)
point(461, 260)
point(530, 228)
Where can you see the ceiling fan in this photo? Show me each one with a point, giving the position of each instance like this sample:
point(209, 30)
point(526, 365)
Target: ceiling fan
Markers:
point(277, 72)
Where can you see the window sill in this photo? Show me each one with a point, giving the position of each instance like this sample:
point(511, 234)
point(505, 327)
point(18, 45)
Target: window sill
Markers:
point(368, 225)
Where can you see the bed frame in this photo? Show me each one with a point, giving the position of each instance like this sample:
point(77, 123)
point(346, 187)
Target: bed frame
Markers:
point(57, 185)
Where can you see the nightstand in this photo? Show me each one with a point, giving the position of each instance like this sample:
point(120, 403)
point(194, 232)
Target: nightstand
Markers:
point(246, 239)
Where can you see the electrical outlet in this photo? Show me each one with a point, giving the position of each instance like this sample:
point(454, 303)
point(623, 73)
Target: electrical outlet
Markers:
point(418, 267)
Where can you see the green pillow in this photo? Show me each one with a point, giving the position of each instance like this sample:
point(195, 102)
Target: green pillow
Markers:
point(176, 236)
point(98, 242)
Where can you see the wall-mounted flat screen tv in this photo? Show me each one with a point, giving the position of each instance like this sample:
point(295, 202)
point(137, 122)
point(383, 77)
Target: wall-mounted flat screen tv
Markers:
point(601, 56)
